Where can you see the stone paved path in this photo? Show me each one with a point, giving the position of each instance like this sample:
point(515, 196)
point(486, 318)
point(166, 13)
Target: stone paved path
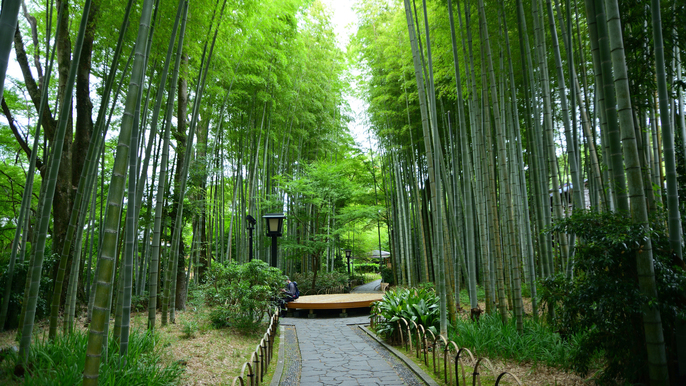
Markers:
point(333, 352)
point(369, 287)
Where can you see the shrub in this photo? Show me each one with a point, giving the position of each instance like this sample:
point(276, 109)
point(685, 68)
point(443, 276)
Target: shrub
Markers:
point(418, 305)
point(366, 267)
point(189, 328)
point(387, 275)
point(19, 281)
point(327, 282)
point(243, 293)
point(139, 303)
point(365, 277)
point(603, 299)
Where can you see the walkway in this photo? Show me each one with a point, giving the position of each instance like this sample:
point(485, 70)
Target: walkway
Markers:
point(369, 287)
point(336, 351)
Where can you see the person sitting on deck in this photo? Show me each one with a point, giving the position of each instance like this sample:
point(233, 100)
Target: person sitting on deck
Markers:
point(290, 293)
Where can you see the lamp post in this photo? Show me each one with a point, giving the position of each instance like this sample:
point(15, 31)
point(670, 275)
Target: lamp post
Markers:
point(348, 254)
point(274, 230)
point(251, 225)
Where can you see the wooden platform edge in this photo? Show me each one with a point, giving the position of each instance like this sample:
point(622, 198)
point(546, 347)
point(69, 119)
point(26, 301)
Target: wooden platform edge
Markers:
point(330, 306)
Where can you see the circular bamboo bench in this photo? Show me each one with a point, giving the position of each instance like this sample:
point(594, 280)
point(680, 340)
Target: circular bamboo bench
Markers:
point(343, 302)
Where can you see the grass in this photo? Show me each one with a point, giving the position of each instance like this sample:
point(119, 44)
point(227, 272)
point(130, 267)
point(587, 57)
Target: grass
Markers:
point(191, 350)
point(62, 362)
point(275, 358)
point(536, 344)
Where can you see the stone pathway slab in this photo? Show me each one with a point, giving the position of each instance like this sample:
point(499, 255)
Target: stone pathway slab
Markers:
point(335, 351)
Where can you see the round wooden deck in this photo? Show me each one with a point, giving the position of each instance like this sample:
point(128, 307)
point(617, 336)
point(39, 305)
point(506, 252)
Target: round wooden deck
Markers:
point(335, 301)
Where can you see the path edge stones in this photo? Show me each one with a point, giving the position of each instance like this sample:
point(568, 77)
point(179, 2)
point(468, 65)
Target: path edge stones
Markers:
point(413, 366)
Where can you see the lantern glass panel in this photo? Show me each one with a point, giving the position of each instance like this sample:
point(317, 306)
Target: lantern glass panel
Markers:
point(273, 225)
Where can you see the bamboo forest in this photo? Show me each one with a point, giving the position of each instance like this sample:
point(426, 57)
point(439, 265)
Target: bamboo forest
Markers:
point(505, 175)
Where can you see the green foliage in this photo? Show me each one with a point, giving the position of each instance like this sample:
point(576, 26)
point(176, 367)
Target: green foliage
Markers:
point(61, 362)
point(366, 267)
point(343, 185)
point(419, 305)
point(243, 293)
point(480, 295)
point(327, 282)
point(538, 343)
point(189, 328)
point(387, 275)
point(139, 303)
point(18, 283)
point(603, 299)
point(365, 277)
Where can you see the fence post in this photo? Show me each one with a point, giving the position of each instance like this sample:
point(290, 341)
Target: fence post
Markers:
point(239, 378)
point(400, 332)
point(476, 373)
point(457, 363)
point(446, 359)
point(425, 344)
point(419, 337)
point(255, 359)
point(251, 374)
point(409, 336)
point(433, 347)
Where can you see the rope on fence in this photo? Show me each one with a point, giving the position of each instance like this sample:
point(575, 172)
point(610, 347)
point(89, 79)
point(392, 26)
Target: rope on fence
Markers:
point(260, 358)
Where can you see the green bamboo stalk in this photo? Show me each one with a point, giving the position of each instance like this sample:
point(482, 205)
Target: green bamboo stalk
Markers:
point(91, 299)
point(28, 186)
point(674, 216)
point(154, 121)
point(571, 151)
point(35, 275)
point(159, 208)
point(470, 251)
point(22, 227)
point(657, 359)
point(86, 180)
point(613, 130)
point(8, 24)
point(96, 337)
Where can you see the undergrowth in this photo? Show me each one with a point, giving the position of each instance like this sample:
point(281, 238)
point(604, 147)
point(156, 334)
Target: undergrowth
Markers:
point(537, 344)
point(61, 362)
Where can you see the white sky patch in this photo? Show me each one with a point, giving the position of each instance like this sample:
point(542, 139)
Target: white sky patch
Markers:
point(344, 21)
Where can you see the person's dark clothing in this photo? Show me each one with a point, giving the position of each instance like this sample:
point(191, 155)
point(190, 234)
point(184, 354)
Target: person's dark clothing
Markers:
point(290, 292)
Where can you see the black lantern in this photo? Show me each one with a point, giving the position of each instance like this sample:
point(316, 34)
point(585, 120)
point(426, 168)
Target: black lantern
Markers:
point(274, 230)
point(348, 254)
point(251, 225)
